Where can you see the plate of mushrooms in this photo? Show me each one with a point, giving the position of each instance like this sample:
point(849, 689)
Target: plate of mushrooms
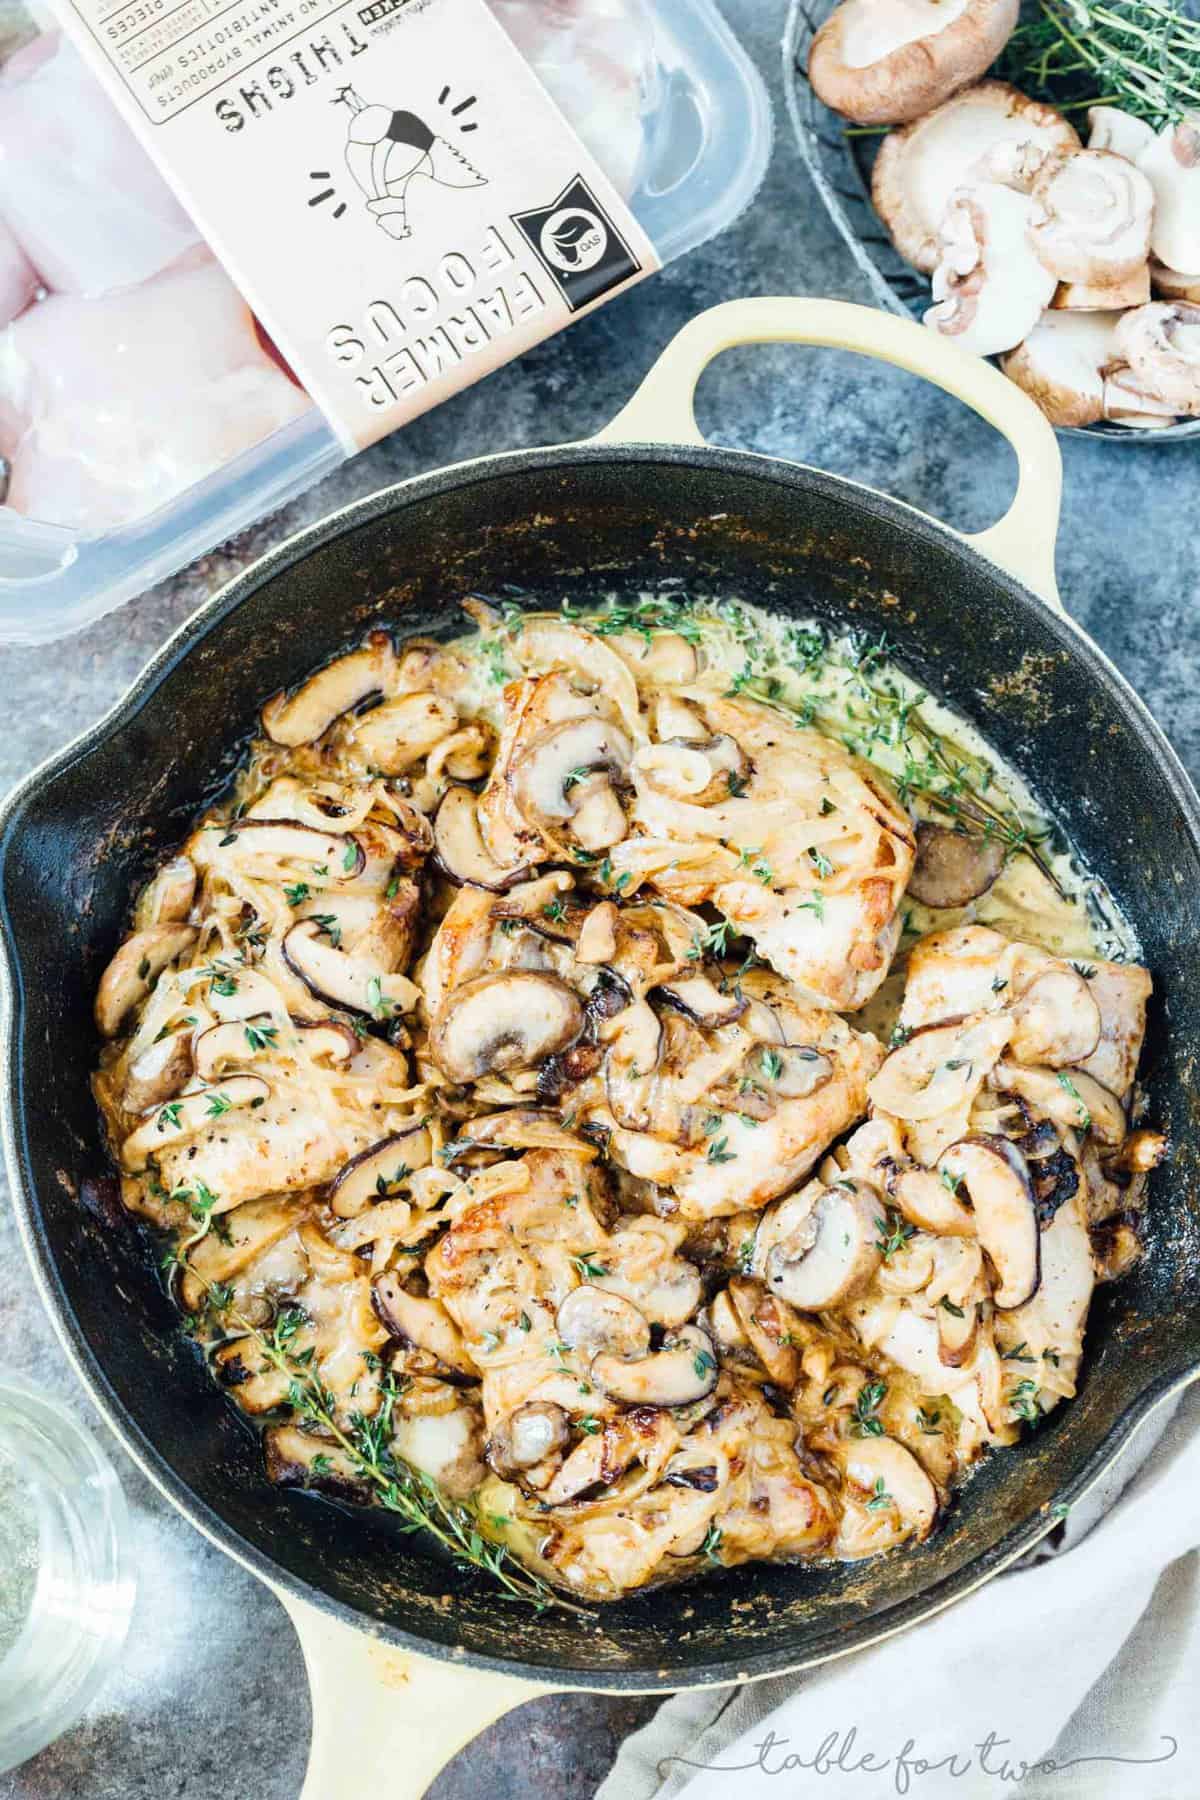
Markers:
point(1027, 182)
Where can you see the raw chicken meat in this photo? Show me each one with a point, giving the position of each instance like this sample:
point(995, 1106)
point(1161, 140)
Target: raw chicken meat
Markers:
point(597, 59)
point(110, 407)
point(18, 277)
point(142, 371)
point(77, 191)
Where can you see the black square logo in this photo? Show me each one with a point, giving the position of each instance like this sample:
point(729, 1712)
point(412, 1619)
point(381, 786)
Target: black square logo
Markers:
point(578, 245)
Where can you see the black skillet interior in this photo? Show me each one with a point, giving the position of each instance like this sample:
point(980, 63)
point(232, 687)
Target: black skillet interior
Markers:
point(84, 832)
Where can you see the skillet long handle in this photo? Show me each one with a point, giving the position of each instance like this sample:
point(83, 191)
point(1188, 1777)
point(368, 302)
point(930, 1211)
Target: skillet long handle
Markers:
point(1022, 542)
point(384, 1723)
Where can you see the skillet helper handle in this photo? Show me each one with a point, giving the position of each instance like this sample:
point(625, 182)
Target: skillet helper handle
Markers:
point(1021, 543)
point(384, 1722)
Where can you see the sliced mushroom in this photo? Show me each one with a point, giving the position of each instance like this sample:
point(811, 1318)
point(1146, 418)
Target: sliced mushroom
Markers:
point(599, 820)
point(634, 1049)
point(822, 1245)
point(167, 898)
point(327, 1039)
point(159, 1072)
point(883, 62)
point(527, 1437)
point(957, 1332)
point(1062, 363)
point(724, 1325)
point(591, 1320)
point(989, 286)
point(519, 1128)
point(597, 940)
point(683, 1371)
point(918, 168)
point(932, 1202)
point(1116, 1246)
point(1111, 129)
point(601, 1457)
point(1174, 284)
point(461, 852)
point(788, 1071)
point(296, 1458)
point(422, 1322)
point(1172, 164)
point(996, 1177)
point(953, 867)
point(353, 983)
point(1094, 235)
point(397, 734)
point(701, 771)
point(1070, 1098)
point(379, 1169)
point(883, 1469)
point(237, 1041)
point(664, 660)
point(308, 713)
point(508, 1021)
point(1142, 1151)
point(190, 1114)
point(547, 778)
point(938, 1068)
point(769, 1324)
point(272, 848)
point(1161, 344)
point(134, 970)
point(665, 1288)
point(1126, 402)
point(700, 999)
point(1055, 1019)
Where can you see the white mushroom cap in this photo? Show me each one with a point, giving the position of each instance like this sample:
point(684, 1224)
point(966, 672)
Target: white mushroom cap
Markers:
point(1161, 344)
point(990, 288)
point(1172, 164)
point(1095, 235)
point(882, 62)
point(1111, 129)
point(1061, 365)
point(919, 168)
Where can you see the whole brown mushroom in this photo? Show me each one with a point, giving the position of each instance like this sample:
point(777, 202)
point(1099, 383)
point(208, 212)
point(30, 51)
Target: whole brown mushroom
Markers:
point(884, 62)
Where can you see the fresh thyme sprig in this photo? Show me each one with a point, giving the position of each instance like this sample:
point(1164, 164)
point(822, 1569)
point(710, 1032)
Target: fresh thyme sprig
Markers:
point(1140, 55)
point(411, 1494)
point(846, 689)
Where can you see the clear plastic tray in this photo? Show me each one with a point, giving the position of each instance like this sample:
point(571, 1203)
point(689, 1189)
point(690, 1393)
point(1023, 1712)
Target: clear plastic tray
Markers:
point(706, 127)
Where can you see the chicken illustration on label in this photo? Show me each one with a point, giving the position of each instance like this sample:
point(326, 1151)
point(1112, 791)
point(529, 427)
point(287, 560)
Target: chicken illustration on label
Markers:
point(387, 149)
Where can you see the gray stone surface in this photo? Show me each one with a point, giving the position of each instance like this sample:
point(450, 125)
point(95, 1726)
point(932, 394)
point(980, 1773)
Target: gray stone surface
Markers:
point(209, 1699)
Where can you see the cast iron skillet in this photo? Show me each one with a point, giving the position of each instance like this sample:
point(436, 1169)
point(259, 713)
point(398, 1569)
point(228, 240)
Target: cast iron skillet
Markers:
point(85, 829)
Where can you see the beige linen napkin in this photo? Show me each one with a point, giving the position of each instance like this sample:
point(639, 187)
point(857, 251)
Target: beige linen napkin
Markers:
point(1073, 1677)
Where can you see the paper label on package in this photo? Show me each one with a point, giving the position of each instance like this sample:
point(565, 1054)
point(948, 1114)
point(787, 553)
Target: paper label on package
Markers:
point(387, 182)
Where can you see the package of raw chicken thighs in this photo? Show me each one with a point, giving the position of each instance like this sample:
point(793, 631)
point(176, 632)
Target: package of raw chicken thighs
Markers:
point(242, 239)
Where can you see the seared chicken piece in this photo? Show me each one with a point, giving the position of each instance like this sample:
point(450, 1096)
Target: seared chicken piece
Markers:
point(1090, 1016)
point(799, 844)
point(723, 1117)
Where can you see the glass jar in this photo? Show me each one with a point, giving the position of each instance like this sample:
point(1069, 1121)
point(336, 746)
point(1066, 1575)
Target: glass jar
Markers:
point(66, 1578)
